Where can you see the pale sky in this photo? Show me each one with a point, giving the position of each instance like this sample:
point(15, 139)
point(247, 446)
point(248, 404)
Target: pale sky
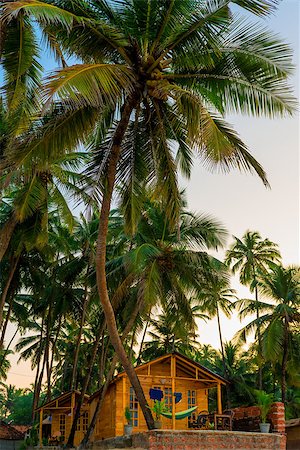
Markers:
point(240, 201)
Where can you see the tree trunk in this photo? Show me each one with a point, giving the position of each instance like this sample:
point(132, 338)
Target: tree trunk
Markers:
point(6, 234)
point(6, 321)
point(54, 345)
point(260, 357)
point(37, 388)
point(70, 443)
point(34, 405)
point(223, 361)
point(101, 260)
point(7, 348)
point(14, 264)
point(103, 355)
point(284, 360)
point(99, 404)
point(47, 356)
point(92, 424)
point(142, 343)
point(77, 348)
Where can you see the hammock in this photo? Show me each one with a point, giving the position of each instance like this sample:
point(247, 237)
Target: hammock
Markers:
point(180, 415)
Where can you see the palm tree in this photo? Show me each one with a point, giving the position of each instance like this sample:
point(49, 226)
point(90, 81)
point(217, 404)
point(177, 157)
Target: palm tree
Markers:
point(214, 297)
point(251, 256)
point(145, 76)
point(280, 320)
point(239, 372)
point(170, 332)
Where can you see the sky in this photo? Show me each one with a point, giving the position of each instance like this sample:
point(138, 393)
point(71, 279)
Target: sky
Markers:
point(240, 201)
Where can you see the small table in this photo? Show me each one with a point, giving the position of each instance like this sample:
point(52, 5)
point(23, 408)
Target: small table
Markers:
point(223, 422)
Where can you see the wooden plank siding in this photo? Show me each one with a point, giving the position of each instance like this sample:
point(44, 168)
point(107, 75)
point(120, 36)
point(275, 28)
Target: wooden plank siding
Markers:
point(171, 373)
point(155, 374)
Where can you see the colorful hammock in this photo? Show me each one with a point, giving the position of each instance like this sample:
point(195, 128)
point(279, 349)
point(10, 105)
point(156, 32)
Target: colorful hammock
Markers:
point(180, 415)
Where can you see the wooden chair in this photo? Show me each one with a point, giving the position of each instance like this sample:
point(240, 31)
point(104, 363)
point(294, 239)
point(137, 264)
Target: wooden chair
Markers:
point(224, 421)
point(203, 420)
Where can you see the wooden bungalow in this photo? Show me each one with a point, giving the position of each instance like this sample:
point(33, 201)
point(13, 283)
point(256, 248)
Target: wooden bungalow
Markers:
point(56, 419)
point(170, 373)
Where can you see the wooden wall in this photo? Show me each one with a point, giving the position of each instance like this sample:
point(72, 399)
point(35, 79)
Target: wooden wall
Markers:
point(55, 427)
point(106, 423)
point(111, 421)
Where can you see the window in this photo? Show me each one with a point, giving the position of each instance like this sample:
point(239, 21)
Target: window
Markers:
point(62, 425)
point(85, 421)
point(133, 407)
point(82, 422)
point(192, 400)
point(167, 398)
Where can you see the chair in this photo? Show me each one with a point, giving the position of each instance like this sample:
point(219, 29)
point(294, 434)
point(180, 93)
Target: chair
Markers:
point(203, 420)
point(224, 421)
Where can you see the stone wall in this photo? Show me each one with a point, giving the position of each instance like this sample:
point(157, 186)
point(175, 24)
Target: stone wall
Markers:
point(248, 418)
point(207, 440)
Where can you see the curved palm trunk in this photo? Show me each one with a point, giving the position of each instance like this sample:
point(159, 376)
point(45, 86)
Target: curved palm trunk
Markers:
point(284, 360)
point(7, 286)
point(101, 260)
point(223, 360)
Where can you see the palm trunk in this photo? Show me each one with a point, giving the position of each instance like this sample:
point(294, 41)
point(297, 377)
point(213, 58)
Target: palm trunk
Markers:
point(38, 387)
point(7, 348)
point(223, 360)
point(284, 361)
point(7, 286)
point(70, 443)
point(101, 260)
point(77, 348)
point(104, 349)
point(6, 321)
point(6, 234)
point(132, 344)
point(47, 356)
point(34, 405)
point(142, 342)
point(54, 345)
point(92, 424)
point(260, 357)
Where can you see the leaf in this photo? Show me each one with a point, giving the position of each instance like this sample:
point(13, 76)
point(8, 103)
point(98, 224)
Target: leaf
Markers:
point(97, 85)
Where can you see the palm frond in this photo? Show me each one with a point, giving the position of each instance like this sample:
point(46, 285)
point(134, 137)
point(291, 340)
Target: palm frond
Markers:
point(93, 84)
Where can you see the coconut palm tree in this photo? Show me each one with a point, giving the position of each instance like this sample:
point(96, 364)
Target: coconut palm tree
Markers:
point(215, 296)
point(239, 372)
point(166, 71)
point(251, 256)
point(279, 320)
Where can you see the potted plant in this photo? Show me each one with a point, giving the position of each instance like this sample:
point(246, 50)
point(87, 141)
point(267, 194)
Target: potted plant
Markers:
point(158, 408)
point(264, 401)
point(128, 426)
